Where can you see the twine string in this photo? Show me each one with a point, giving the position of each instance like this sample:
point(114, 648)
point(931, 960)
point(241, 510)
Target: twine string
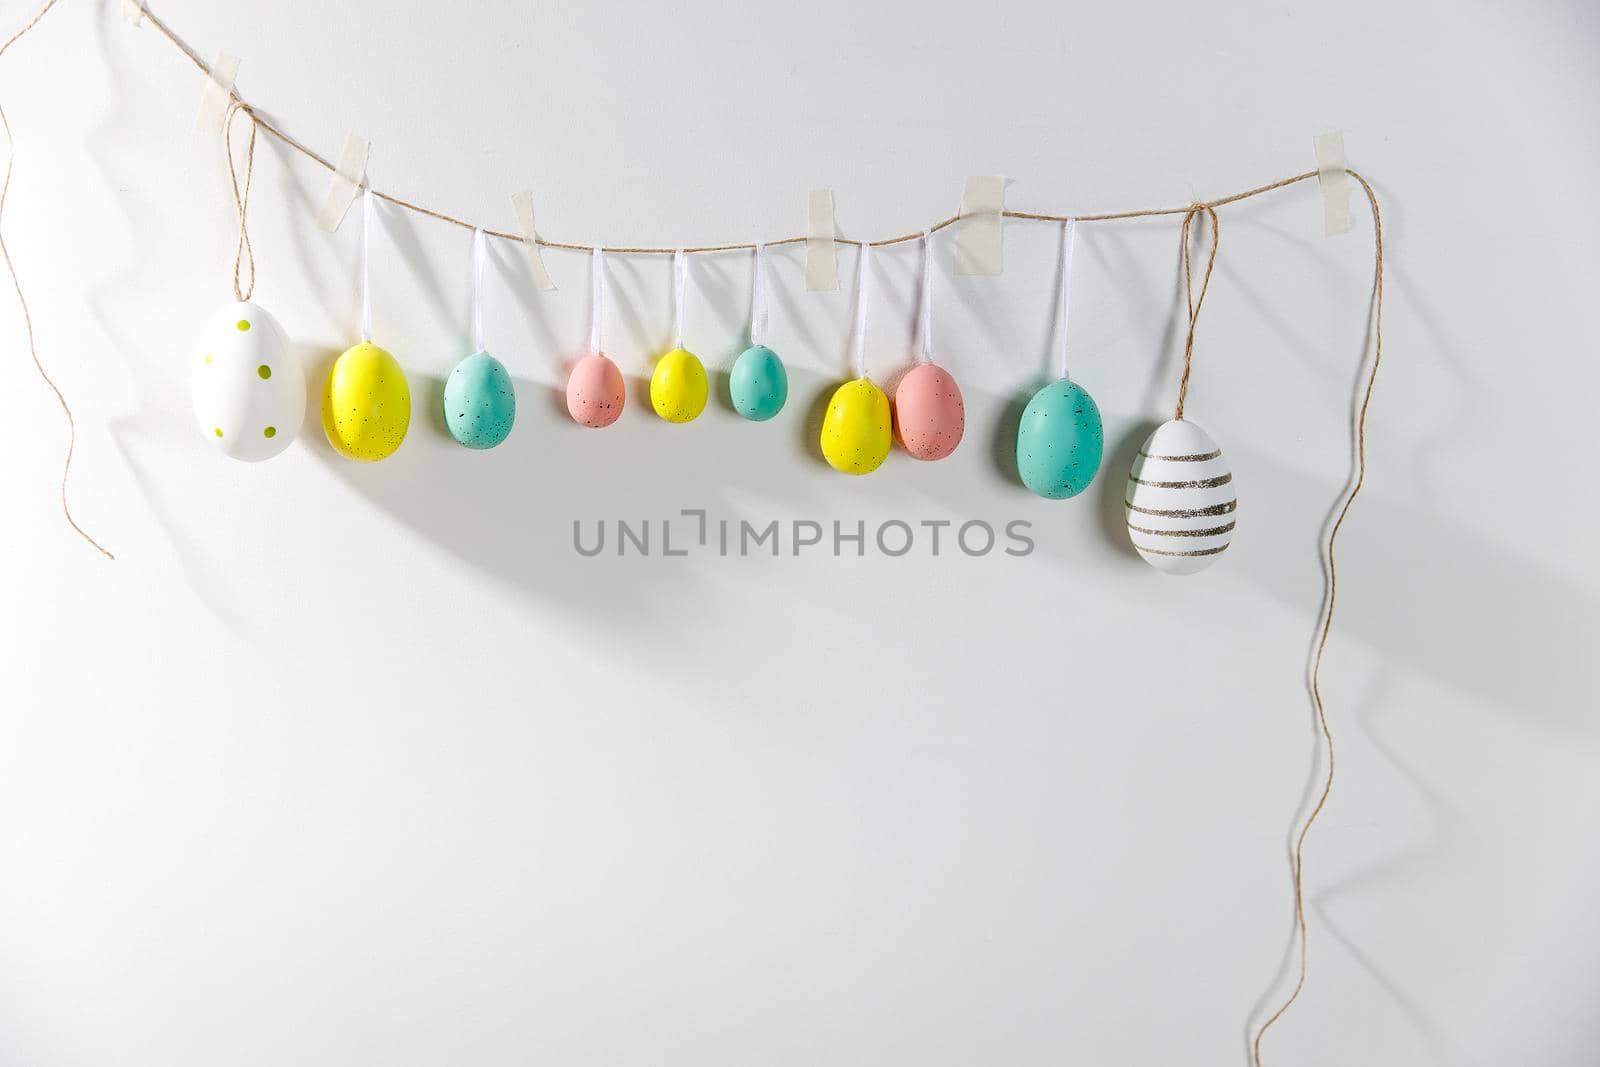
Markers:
point(1325, 624)
point(1194, 302)
point(289, 141)
point(858, 344)
point(22, 303)
point(243, 254)
point(1069, 243)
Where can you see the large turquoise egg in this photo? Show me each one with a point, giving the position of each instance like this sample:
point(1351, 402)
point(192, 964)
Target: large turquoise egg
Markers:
point(1060, 441)
point(759, 385)
point(480, 403)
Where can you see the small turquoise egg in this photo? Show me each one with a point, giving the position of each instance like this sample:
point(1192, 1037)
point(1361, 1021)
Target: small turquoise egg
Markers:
point(759, 384)
point(480, 403)
point(1060, 441)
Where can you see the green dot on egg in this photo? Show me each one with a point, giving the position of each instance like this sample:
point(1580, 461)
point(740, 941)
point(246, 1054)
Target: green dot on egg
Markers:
point(208, 358)
point(244, 324)
point(270, 431)
point(217, 431)
point(265, 371)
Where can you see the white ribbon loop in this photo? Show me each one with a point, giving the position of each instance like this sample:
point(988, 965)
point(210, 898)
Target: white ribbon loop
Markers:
point(597, 301)
point(925, 302)
point(680, 286)
point(979, 248)
point(479, 254)
point(758, 298)
point(522, 203)
point(346, 182)
point(1335, 182)
point(214, 99)
point(859, 341)
point(1069, 242)
point(366, 260)
point(822, 260)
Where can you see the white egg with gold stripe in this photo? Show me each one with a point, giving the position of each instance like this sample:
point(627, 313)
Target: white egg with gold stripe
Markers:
point(1180, 499)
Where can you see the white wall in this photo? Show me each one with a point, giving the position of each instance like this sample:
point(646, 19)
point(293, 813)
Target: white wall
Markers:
point(346, 764)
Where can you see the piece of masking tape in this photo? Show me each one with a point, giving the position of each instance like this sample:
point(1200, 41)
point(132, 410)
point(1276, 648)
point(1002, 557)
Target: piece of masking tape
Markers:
point(979, 249)
point(133, 11)
point(1335, 182)
point(522, 203)
point(347, 179)
point(219, 90)
point(822, 262)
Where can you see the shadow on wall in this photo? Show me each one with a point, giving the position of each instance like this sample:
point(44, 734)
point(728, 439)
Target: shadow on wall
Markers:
point(1437, 582)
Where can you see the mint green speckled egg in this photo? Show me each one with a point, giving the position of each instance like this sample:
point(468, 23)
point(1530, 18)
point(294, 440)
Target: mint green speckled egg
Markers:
point(758, 385)
point(1060, 441)
point(480, 403)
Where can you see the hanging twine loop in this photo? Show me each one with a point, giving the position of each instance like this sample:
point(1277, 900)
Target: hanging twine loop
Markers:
point(1194, 302)
point(244, 256)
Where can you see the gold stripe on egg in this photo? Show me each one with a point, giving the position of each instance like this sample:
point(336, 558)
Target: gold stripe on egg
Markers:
point(1191, 552)
point(1214, 531)
point(1198, 457)
point(1203, 483)
point(1184, 513)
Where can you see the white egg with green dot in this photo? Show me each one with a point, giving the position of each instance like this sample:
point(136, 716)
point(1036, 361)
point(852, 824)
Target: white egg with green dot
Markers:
point(249, 389)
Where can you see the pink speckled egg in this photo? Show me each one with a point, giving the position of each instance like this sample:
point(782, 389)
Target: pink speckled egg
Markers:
point(595, 391)
point(928, 414)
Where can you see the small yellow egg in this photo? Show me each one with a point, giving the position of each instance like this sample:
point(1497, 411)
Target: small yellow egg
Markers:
point(856, 429)
point(678, 386)
point(366, 403)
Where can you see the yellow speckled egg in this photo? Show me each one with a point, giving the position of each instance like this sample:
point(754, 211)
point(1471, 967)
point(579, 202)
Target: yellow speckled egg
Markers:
point(856, 429)
point(678, 386)
point(366, 404)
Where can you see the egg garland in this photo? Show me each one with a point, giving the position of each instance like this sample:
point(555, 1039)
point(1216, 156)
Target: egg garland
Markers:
point(678, 385)
point(480, 399)
point(856, 426)
point(758, 385)
point(1180, 500)
point(596, 391)
point(1061, 440)
point(929, 415)
point(366, 401)
point(248, 387)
